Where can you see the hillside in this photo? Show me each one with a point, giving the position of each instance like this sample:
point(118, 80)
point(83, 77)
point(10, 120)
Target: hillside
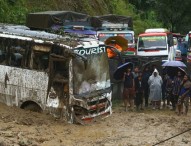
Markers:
point(15, 11)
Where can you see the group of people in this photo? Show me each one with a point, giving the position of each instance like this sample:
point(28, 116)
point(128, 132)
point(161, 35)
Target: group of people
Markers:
point(152, 88)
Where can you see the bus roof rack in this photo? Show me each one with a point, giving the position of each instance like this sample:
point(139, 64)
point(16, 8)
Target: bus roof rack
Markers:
point(156, 30)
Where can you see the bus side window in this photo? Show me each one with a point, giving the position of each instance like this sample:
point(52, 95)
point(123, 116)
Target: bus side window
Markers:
point(2, 57)
point(2, 53)
point(40, 60)
point(17, 56)
point(16, 59)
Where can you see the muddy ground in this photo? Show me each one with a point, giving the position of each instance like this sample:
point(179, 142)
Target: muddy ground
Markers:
point(146, 128)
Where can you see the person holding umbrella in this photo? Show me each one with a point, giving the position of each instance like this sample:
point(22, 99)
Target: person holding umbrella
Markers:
point(176, 84)
point(184, 95)
point(111, 53)
point(129, 90)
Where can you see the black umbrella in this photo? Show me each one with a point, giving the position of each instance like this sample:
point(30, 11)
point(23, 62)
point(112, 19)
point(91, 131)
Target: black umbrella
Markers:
point(151, 63)
point(118, 74)
point(172, 71)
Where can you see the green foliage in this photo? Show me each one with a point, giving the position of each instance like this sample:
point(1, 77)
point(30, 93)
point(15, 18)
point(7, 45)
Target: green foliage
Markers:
point(142, 20)
point(15, 11)
point(12, 11)
point(175, 14)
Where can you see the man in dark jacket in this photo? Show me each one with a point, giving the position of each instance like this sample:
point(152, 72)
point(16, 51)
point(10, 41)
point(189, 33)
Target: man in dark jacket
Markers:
point(128, 91)
point(145, 78)
point(139, 90)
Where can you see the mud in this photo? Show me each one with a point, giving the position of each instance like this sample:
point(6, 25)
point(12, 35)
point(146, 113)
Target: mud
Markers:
point(146, 128)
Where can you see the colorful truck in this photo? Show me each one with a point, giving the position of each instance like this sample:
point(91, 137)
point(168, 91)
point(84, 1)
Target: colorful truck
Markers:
point(116, 25)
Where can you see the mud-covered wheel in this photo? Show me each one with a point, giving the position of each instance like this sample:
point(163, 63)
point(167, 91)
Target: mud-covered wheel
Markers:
point(78, 120)
point(71, 116)
point(33, 107)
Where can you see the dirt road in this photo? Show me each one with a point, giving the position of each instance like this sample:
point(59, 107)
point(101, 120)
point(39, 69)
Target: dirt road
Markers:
point(25, 128)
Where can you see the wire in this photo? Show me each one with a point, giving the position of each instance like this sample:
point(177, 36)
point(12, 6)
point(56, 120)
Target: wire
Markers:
point(171, 137)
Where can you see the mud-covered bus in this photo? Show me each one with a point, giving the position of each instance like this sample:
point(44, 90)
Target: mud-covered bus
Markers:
point(68, 77)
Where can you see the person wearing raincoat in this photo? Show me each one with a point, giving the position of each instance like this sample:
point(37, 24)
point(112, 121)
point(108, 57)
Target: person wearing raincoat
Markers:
point(155, 86)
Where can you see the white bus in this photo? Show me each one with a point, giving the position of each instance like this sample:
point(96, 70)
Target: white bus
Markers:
point(156, 42)
point(42, 71)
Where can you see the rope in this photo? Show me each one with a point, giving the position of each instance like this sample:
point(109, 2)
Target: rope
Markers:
point(171, 137)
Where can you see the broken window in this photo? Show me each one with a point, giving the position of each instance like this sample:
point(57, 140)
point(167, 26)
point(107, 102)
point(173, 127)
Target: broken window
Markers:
point(3, 52)
point(59, 71)
point(40, 57)
point(17, 53)
point(14, 52)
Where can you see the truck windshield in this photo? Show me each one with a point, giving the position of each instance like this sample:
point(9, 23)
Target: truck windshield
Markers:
point(104, 36)
point(91, 75)
point(152, 42)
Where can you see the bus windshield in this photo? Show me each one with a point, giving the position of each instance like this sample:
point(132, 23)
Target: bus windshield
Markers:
point(152, 42)
point(91, 75)
point(104, 36)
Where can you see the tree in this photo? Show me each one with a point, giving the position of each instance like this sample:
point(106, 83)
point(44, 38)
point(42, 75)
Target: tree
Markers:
point(174, 14)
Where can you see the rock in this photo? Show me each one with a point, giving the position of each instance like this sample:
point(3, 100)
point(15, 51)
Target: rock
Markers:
point(2, 143)
point(8, 134)
point(25, 142)
point(185, 141)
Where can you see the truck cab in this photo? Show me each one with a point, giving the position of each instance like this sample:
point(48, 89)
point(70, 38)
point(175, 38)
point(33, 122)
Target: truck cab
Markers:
point(110, 30)
point(156, 42)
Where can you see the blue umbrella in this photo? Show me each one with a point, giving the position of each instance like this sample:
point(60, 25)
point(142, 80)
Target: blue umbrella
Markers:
point(119, 72)
point(174, 64)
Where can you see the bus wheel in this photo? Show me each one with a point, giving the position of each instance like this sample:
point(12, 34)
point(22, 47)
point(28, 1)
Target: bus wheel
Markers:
point(71, 116)
point(33, 107)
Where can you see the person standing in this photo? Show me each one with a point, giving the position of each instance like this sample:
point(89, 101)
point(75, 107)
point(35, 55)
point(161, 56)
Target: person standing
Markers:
point(184, 95)
point(155, 86)
point(136, 72)
point(168, 87)
point(128, 91)
point(110, 53)
point(145, 78)
point(139, 90)
point(164, 79)
point(175, 89)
